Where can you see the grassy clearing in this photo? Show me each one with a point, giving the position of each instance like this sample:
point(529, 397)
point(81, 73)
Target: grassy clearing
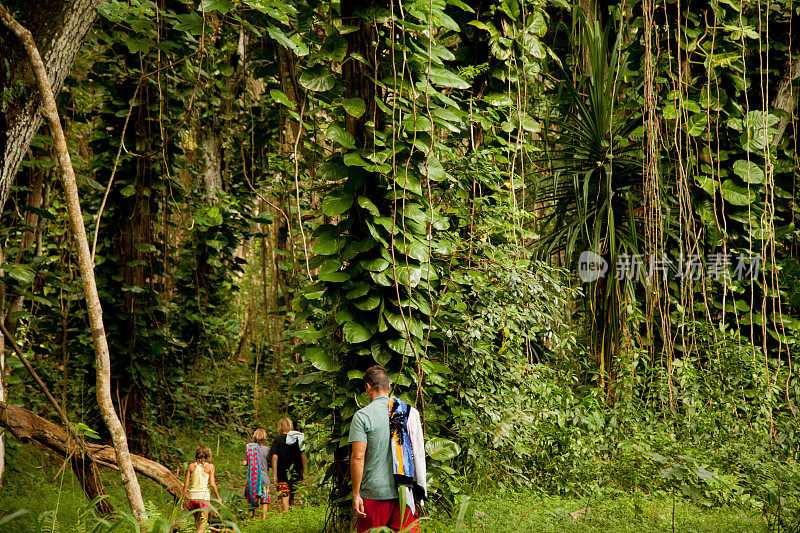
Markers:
point(36, 481)
point(514, 512)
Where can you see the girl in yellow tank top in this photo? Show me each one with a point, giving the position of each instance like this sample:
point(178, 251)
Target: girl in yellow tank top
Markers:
point(198, 479)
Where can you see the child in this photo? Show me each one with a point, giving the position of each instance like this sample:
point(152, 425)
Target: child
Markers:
point(256, 459)
point(198, 478)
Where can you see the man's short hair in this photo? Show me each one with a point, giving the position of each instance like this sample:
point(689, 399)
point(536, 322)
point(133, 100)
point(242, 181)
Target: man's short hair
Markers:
point(285, 426)
point(377, 377)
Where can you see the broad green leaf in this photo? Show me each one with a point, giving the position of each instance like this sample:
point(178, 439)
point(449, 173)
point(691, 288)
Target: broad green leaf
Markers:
point(402, 346)
point(137, 45)
point(354, 159)
point(221, 6)
point(748, 171)
point(318, 79)
point(361, 288)
point(20, 273)
point(355, 332)
point(335, 277)
point(313, 377)
point(378, 264)
point(417, 123)
point(332, 171)
point(498, 99)
point(208, 216)
point(399, 323)
point(287, 42)
point(328, 243)
point(381, 279)
point(309, 334)
point(339, 135)
point(432, 168)
point(441, 449)
point(330, 265)
point(336, 205)
point(445, 78)
point(381, 355)
point(355, 107)
point(710, 185)
point(367, 204)
point(696, 124)
point(281, 98)
point(735, 194)
point(406, 180)
point(367, 304)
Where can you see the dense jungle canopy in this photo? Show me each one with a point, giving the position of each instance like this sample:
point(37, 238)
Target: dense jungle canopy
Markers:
point(566, 228)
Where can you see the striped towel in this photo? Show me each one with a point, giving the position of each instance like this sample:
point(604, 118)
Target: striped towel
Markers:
point(252, 491)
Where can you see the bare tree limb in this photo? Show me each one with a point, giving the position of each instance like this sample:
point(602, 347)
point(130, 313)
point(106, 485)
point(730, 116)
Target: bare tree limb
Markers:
point(95, 312)
point(27, 426)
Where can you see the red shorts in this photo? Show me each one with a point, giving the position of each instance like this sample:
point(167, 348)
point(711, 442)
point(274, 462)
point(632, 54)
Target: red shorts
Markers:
point(197, 504)
point(387, 513)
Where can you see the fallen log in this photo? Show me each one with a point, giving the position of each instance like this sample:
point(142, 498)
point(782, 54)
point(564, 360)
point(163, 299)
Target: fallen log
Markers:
point(27, 426)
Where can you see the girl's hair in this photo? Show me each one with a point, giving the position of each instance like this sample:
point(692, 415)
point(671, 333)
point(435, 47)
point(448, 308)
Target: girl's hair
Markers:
point(285, 425)
point(260, 436)
point(203, 454)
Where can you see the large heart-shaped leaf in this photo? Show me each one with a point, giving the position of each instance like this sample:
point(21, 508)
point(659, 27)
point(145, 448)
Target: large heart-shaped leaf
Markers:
point(748, 171)
point(339, 135)
point(441, 449)
point(355, 332)
point(322, 360)
point(318, 79)
point(335, 205)
point(736, 194)
point(355, 107)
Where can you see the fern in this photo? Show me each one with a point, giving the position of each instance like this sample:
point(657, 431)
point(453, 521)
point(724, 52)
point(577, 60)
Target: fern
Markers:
point(48, 522)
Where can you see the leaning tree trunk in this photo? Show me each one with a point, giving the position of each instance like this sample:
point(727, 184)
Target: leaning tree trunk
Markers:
point(103, 360)
point(27, 426)
point(59, 26)
point(2, 369)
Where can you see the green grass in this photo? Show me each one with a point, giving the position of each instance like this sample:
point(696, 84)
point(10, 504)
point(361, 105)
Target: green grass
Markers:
point(36, 481)
point(514, 512)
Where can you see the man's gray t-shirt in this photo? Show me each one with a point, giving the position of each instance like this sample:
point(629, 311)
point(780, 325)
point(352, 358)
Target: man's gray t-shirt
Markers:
point(371, 425)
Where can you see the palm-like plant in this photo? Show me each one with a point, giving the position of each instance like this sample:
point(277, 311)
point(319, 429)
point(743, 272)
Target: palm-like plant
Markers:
point(593, 189)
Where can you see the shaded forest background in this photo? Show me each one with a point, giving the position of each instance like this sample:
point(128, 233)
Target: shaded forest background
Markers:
point(280, 194)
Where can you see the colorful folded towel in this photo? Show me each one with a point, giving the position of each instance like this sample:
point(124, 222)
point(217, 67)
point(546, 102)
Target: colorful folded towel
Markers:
point(252, 490)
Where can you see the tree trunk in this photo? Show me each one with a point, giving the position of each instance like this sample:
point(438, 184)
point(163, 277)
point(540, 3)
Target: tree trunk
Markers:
point(26, 427)
point(357, 78)
point(29, 239)
point(211, 150)
point(785, 100)
point(89, 477)
point(103, 359)
point(60, 27)
point(2, 370)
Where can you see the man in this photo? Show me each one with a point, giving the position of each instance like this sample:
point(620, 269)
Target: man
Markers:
point(375, 494)
point(288, 457)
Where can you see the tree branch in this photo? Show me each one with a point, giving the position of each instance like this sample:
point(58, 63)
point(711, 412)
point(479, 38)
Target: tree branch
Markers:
point(95, 312)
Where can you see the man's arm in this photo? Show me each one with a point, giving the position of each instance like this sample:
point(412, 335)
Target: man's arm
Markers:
point(356, 473)
point(275, 468)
